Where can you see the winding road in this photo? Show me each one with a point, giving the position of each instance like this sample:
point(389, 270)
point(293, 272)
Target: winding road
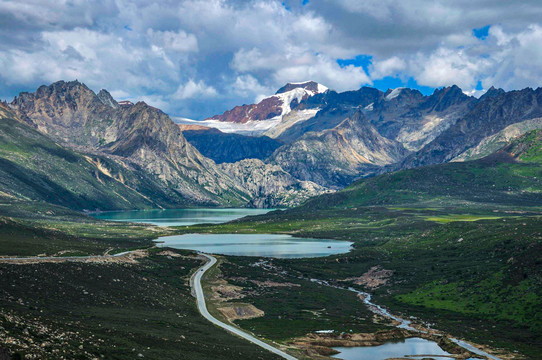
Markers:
point(202, 307)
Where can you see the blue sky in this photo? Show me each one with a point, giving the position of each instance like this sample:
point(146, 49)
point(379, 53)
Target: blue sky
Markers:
point(197, 58)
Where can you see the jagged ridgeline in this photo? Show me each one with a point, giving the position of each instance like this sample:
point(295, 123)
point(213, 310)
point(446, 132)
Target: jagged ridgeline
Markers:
point(511, 176)
point(122, 156)
point(333, 139)
point(305, 140)
point(135, 146)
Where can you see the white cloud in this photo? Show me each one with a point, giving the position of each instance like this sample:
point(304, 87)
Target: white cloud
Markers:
point(193, 89)
point(227, 52)
point(447, 67)
point(388, 67)
point(325, 71)
point(248, 85)
point(175, 41)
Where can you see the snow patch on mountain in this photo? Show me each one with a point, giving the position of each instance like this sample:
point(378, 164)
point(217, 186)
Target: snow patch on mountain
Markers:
point(256, 119)
point(394, 93)
point(289, 96)
point(289, 120)
point(250, 128)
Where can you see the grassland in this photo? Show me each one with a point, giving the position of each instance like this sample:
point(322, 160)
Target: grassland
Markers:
point(30, 228)
point(114, 311)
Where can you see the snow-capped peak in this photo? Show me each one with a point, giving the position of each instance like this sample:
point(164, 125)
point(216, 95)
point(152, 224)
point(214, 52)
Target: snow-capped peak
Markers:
point(322, 88)
point(319, 87)
point(297, 91)
point(312, 86)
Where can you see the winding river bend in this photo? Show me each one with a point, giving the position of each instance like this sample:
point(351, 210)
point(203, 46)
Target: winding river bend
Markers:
point(280, 246)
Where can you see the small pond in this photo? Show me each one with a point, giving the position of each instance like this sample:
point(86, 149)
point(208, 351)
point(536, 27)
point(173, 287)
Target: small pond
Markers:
point(409, 347)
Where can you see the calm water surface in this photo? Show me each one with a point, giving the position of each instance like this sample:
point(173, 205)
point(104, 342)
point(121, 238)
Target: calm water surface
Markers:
point(266, 245)
point(413, 346)
point(280, 246)
point(180, 217)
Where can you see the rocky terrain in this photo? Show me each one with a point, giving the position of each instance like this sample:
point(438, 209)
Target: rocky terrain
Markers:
point(491, 114)
point(315, 140)
point(269, 185)
point(74, 115)
point(335, 138)
point(336, 157)
point(137, 148)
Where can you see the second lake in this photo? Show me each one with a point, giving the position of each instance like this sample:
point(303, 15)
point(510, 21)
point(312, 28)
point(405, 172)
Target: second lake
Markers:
point(265, 245)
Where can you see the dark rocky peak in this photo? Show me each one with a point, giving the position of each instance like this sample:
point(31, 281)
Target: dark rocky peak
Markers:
point(59, 93)
point(443, 98)
point(63, 87)
point(307, 85)
point(402, 94)
point(362, 97)
point(492, 92)
point(369, 91)
point(106, 98)
point(355, 98)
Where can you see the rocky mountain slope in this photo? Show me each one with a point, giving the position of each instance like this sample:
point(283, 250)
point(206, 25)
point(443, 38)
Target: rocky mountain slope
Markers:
point(509, 176)
point(72, 113)
point(34, 167)
point(337, 156)
point(490, 115)
point(269, 185)
point(357, 133)
point(326, 142)
point(142, 149)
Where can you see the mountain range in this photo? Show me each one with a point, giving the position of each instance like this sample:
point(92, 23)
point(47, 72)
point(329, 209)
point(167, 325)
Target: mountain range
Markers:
point(89, 151)
point(135, 146)
point(333, 138)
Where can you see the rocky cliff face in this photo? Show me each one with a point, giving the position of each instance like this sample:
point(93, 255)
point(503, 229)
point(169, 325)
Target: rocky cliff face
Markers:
point(34, 167)
point(337, 156)
point(489, 116)
point(140, 134)
point(269, 185)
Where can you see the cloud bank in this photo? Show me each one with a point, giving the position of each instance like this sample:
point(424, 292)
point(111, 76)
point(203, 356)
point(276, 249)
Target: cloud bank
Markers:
point(197, 58)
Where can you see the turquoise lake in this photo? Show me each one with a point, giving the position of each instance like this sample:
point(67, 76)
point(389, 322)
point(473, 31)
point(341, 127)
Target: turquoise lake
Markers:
point(179, 217)
point(266, 245)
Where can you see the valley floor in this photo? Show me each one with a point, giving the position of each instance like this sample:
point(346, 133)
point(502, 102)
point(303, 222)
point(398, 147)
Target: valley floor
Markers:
point(473, 274)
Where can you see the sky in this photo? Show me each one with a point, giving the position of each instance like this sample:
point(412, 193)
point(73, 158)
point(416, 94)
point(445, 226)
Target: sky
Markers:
point(198, 58)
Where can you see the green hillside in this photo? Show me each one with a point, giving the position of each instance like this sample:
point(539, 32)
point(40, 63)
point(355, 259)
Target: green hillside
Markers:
point(508, 177)
point(33, 167)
